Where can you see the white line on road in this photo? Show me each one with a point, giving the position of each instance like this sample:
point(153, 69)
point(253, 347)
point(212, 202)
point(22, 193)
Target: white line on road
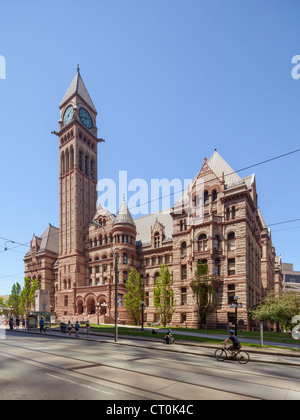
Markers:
point(76, 383)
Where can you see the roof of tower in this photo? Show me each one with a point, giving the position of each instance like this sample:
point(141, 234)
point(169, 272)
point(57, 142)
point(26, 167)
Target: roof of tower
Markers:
point(49, 241)
point(124, 216)
point(219, 166)
point(78, 87)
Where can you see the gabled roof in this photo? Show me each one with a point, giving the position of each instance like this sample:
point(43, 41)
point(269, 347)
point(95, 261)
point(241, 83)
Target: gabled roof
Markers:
point(101, 211)
point(78, 87)
point(219, 166)
point(145, 223)
point(49, 240)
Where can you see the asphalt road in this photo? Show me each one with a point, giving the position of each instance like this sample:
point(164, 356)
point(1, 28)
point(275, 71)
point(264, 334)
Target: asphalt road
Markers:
point(45, 367)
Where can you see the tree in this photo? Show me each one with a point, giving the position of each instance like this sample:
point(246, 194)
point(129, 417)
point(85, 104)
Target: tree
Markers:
point(134, 296)
point(164, 302)
point(278, 309)
point(203, 286)
point(27, 295)
point(14, 299)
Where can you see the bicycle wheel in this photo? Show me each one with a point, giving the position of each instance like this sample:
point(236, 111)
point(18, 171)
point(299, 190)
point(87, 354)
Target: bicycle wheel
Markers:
point(242, 357)
point(220, 355)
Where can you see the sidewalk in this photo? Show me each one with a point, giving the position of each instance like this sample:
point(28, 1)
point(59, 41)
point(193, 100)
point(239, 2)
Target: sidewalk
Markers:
point(258, 355)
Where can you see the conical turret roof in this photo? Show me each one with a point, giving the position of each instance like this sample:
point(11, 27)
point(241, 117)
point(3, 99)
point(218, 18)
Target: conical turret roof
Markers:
point(124, 217)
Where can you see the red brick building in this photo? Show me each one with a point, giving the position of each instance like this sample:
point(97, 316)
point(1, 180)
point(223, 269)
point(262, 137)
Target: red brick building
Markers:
point(75, 261)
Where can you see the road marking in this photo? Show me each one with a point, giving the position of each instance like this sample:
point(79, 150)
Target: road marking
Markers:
point(76, 383)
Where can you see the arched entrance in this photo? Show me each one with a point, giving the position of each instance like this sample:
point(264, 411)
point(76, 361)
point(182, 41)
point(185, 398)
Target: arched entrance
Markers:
point(79, 308)
point(90, 305)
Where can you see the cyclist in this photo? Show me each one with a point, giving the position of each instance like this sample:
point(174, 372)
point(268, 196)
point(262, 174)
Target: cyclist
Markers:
point(236, 345)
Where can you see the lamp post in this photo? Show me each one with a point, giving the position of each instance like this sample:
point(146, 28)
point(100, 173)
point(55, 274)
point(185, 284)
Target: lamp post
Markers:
point(116, 258)
point(236, 306)
point(97, 309)
point(104, 306)
point(142, 305)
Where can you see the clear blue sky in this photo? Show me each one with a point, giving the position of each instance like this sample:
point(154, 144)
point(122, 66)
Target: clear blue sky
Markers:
point(172, 80)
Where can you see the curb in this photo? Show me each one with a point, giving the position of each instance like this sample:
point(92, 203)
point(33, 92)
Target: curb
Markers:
point(173, 349)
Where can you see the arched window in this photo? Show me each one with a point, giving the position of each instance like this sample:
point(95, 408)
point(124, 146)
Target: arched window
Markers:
point(183, 249)
point(71, 158)
point(67, 161)
point(62, 162)
point(214, 196)
point(125, 259)
point(231, 241)
point(86, 165)
point(80, 160)
point(206, 197)
point(202, 242)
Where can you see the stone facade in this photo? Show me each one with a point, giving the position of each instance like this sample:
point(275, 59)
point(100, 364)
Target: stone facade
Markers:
point(75, 263)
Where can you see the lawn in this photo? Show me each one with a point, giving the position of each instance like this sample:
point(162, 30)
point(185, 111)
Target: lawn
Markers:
point(268, 335)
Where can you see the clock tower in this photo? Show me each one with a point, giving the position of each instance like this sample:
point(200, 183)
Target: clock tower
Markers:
point(77, 188)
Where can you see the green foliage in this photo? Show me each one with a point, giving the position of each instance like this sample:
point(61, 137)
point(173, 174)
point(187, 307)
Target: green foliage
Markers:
point(28, 293)
point(22, 300)
point(164, 302)
point(134, 296)
point(278, 309)
point(14, 299)
point(204, 289)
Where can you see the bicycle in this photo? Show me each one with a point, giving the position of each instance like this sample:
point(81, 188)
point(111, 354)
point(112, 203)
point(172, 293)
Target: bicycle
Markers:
point(240, 356)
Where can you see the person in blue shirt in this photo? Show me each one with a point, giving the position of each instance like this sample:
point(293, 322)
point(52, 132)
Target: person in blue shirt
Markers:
point(42, 325)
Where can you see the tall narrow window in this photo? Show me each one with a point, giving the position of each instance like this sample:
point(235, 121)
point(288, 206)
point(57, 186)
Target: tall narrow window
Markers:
point(92, 168)
point(183, 249)
point(217, 243)
point(71, 158)
point(62, 162)
point(80, 161)
point(125, 259)
point(156, 240)
point(67, 161)
point(202, 243)
point(86, 165)
point(231, 266)
point(214, 196)
point(233, 212)
point(206, 197)
point(231, 241)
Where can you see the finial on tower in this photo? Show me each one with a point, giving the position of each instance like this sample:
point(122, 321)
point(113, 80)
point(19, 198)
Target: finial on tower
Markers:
point(78, 68)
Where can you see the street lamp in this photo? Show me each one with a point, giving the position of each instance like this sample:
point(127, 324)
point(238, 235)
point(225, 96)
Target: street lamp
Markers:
point(236, 306)
point(116, 258)
point(143, 306)
point(97, 309)
point(104, 306)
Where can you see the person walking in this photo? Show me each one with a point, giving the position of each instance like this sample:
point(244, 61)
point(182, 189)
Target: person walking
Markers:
point(88, 328)
point(42, 325)
point(70, 328)
point(77, 327)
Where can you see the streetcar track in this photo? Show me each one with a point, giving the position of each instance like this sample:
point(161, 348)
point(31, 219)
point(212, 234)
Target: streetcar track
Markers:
point(186, 381)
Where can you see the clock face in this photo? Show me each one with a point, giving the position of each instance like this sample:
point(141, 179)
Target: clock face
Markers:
point(86, 119)
point(68, 115)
